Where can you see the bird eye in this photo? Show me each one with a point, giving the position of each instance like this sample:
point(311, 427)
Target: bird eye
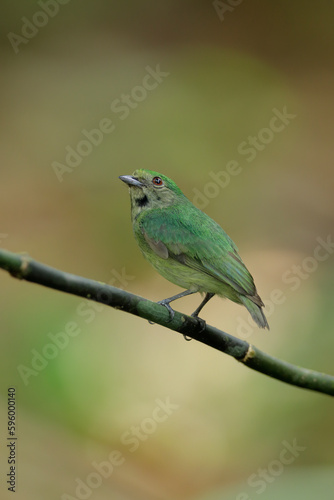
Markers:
point(157, 181)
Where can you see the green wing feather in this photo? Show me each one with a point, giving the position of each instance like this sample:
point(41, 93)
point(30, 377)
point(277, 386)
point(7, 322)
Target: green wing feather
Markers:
point(193, 238)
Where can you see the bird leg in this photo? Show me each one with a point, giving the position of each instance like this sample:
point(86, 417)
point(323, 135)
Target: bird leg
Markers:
point(206, 299)
point(166, 302)
point(195, 314)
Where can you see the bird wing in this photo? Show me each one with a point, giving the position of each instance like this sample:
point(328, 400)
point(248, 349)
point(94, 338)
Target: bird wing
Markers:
point(188, 235)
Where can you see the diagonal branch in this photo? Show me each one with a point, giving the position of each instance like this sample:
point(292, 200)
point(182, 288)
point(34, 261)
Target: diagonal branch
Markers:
point(23, 267)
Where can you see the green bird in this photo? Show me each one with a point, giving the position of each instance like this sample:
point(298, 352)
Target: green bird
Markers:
point(186, 246)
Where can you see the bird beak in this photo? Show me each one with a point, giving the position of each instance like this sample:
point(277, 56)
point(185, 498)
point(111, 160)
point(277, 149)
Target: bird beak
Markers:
point(131, 181)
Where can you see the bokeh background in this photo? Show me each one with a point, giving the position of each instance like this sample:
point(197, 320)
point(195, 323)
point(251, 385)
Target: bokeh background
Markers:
point(227, 68)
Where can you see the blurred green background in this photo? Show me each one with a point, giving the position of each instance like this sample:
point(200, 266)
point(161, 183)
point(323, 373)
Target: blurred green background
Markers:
point(228, 68)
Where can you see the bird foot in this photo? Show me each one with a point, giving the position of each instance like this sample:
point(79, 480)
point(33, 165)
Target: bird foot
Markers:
point(169, 309)
point(201, 322)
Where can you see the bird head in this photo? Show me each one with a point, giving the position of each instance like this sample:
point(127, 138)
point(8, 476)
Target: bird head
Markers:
point(149, 189)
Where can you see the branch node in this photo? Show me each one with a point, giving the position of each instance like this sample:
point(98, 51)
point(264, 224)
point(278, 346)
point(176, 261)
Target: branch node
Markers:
point(249, 354)
point(21, 272)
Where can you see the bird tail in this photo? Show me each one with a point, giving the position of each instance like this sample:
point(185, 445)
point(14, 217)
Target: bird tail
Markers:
point(255, 311)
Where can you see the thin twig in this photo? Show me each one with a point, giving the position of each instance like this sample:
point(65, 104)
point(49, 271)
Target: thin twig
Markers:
point(23, 267)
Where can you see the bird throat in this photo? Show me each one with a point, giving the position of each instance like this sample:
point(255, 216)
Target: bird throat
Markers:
point(138, 203)
point(141, 202)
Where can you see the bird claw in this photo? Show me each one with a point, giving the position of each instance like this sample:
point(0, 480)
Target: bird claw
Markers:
point(169, 309)
point(201, 322)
